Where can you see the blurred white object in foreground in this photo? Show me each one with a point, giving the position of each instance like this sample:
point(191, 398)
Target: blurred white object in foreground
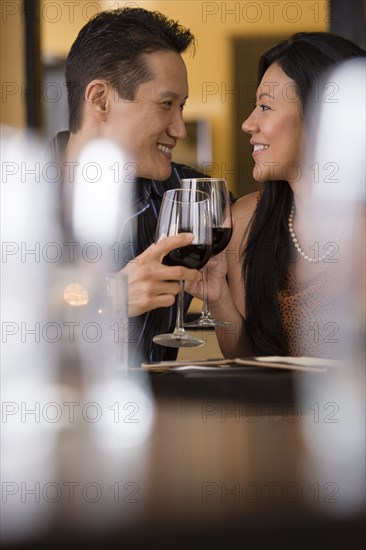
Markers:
point(75, 425)
point(29, 393)
point(335, 438)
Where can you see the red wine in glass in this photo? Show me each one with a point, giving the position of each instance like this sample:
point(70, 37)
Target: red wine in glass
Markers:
point(220, 239)
point(188, 211)
point(220, 204)
point(193, 256)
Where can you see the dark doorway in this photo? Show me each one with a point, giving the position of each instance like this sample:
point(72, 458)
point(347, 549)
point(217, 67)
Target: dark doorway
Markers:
point(348, 19)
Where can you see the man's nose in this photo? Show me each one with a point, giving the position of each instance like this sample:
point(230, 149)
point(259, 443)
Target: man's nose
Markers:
point(177, 127)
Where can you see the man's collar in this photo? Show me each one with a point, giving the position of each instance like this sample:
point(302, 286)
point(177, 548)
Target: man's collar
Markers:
point(144, 189)
point(57, 146)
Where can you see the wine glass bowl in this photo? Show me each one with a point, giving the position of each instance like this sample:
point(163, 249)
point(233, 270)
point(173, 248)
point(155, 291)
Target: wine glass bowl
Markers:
point(220, 205)
point(185, 211)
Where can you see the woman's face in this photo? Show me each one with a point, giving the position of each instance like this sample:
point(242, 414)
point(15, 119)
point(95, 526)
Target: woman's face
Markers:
point(276, 127)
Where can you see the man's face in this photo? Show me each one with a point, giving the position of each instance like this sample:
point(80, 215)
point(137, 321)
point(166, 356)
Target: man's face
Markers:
point(149, 126)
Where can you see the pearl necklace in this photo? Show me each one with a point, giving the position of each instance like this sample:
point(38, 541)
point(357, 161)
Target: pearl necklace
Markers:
point(296, 242)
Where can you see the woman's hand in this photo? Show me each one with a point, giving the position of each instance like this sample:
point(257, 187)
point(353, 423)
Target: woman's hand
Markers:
point(216, 280)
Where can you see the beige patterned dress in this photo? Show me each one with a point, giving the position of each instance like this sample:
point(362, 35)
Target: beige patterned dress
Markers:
point(310, 316)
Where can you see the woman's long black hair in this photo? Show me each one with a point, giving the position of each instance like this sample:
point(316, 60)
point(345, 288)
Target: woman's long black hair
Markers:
point(304, 57)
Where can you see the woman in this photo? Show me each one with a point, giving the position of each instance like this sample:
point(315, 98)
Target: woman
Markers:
point(277, 294)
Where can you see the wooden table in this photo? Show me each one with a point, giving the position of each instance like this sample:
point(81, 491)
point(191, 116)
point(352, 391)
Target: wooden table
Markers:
point(227, 465)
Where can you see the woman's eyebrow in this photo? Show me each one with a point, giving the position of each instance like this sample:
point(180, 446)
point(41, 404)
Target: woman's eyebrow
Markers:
point(265, 94)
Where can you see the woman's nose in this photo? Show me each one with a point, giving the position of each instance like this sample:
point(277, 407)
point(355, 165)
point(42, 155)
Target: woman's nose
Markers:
point(249, 125)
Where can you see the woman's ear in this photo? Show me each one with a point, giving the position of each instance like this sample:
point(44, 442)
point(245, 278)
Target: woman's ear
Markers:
point(96, 94)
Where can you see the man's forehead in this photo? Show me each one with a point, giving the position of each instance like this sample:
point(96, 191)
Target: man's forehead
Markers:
point(163, 59)
point(168, 78)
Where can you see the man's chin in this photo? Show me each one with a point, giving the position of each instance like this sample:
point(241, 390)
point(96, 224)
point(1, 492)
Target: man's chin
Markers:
point(159, 175)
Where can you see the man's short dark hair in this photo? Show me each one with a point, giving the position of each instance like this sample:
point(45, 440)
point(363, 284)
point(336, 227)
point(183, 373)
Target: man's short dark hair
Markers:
point(111, 47)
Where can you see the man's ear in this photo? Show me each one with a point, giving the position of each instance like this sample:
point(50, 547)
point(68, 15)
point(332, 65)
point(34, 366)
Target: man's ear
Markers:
point(96, 94)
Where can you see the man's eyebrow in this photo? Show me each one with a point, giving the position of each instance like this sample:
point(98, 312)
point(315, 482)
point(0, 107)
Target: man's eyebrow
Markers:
point(169, 93)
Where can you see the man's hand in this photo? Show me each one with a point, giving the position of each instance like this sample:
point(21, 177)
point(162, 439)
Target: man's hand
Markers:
point(152, 284)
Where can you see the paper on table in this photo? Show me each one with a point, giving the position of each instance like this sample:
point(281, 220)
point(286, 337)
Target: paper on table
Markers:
point(301, 361)
point(307, 364)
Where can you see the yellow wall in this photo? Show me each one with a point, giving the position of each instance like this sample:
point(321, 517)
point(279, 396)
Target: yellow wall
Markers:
point(61, 22)
point(214, 23)
point(12, 106)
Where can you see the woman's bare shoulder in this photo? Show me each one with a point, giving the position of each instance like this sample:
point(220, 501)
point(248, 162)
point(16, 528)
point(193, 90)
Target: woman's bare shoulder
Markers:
point(244, 208)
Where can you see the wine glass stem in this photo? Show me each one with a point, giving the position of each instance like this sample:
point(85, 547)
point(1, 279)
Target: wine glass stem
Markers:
point(180, 310)
point(206, 307)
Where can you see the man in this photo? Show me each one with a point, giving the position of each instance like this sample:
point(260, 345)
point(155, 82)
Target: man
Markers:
point(127, 82)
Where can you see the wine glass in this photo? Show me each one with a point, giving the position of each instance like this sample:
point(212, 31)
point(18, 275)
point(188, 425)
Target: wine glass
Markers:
point(217, 190)
point(185, 211)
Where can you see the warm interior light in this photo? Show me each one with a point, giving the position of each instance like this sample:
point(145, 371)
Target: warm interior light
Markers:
point(76, 295)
